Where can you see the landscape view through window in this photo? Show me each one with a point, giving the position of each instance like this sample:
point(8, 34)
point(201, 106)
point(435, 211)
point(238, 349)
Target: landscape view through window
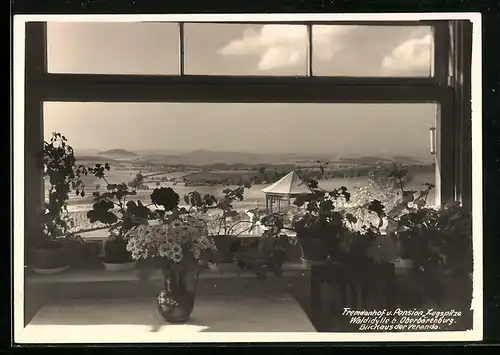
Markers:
point(210, 147)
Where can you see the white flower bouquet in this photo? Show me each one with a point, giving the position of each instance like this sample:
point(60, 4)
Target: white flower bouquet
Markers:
point(174, 239)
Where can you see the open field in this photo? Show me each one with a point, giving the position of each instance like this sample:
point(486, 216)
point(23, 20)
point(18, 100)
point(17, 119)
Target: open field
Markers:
point(254, 197)
point(213, 178)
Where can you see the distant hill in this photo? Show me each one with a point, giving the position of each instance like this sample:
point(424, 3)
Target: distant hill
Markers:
point(233, 159)
point(93, 158)
point(364, 160)
point(208, 156)
point(408, 160)
point(118, 154)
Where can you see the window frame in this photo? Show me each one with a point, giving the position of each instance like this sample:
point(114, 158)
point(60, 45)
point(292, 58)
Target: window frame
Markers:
point(448, 87)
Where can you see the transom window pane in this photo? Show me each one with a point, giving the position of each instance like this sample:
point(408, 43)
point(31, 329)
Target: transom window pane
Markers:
point(242, 49)
point(376, 51)
point(113, 48)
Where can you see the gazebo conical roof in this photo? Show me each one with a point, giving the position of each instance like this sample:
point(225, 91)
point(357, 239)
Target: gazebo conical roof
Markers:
point(289, 185)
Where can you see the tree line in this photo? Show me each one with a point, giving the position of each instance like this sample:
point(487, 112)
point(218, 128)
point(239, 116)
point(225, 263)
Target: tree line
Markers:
point(269, 176)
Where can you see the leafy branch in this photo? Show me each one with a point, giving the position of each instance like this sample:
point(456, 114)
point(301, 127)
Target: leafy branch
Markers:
point(225, 219)
point(64, 176)
point(112, 208)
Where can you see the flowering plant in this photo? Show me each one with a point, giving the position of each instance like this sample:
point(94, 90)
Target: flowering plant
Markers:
point(175, 236)
point(173, 239)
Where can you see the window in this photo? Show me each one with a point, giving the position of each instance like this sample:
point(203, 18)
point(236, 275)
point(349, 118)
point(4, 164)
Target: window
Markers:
point(207, 147)
point(380, 51)
point(237, 49)
point(240, 49)
point(113, 48)
point(182, 68)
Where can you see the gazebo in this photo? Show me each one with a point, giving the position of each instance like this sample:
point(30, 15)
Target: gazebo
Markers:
point(289, 186)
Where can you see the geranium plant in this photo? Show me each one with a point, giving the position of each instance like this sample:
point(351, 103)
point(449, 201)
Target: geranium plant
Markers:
point(325, 227)
point(113, 209)
point(223, 220)
point(407, 212)
point(269, 252)
point(439, 242)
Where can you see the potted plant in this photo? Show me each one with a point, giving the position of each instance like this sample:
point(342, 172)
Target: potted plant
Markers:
point(113, 209)
point(326, 229)
point(401, 223)
point(439, 242)
point(173, 244)
point(223, 220)
point(321, 225)
point(49, 252)
point(456, 260)
point(269, 252)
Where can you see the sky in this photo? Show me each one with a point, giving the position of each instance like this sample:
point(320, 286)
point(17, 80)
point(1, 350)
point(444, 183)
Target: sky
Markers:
point(152, 48)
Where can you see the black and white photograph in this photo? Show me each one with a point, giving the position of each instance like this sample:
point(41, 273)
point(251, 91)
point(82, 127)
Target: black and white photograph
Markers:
point(236, 178)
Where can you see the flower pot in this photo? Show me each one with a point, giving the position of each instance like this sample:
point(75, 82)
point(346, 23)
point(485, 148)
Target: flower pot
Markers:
point(83, 255)
point(51, 258)
point(403, 266)
point(313, 248)
point(203, 264)
point(176, 301)
point(402, 246)
point(116, 256)
point(222, 267)
point(227, 246)
point(119, 266)
point(308, 263)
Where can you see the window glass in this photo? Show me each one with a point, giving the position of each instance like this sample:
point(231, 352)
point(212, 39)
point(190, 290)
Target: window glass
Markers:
point(377, 51)
point(113, 48)
point(210, 146)
point(242, 49)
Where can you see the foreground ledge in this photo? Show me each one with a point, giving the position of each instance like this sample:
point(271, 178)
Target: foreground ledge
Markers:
point(119, 320)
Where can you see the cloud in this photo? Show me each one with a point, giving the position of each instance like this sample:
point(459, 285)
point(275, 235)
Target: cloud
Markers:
point(285, 46)
point(412, 55)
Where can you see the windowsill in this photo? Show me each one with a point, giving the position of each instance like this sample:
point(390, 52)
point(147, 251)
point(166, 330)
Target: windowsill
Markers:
point(290, 269)
point(101, 275)
point(100, 235)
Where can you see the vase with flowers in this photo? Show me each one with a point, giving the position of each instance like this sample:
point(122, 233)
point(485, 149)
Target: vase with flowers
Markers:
point(173, 242)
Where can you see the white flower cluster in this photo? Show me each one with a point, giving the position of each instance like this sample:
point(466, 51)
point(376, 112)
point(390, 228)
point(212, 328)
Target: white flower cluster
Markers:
point(170, 240)
point(164, 300)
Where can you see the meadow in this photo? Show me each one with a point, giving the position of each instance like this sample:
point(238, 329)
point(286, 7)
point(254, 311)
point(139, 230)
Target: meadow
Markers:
point(254, 197)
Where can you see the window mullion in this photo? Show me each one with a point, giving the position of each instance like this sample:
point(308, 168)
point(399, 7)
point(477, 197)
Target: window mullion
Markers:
point(310, 72)
point(181, 48)
point(35, 70)
point(441, 50)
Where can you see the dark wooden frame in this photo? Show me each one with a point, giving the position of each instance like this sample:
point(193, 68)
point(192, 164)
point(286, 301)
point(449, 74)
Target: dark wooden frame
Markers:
point(357, 276)
point(454, 173)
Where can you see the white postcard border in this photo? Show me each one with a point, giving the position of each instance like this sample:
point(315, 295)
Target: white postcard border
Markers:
point(116, 333)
